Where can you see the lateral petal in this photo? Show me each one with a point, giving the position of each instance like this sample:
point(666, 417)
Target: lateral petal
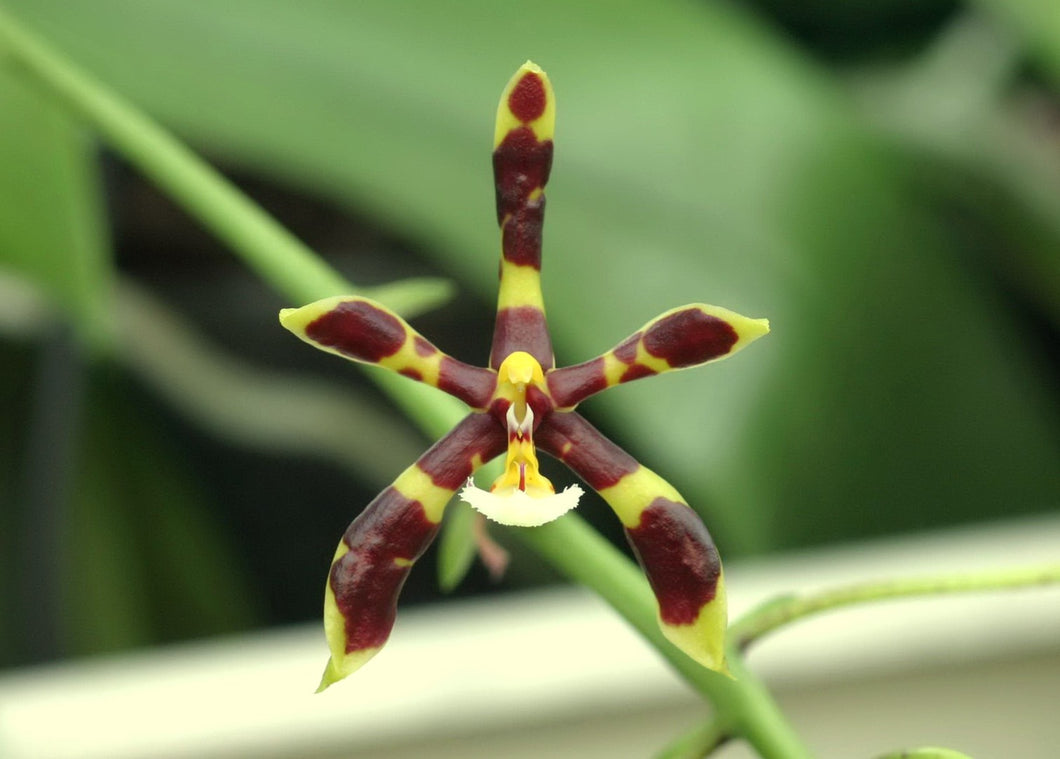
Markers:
point(671, 543)
point(681, 338)
point(381, 545)
point(368, 332)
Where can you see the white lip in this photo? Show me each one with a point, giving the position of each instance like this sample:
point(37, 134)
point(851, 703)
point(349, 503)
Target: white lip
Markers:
point(516, 508)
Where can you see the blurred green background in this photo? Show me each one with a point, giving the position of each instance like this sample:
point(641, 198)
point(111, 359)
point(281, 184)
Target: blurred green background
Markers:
point(881, 179)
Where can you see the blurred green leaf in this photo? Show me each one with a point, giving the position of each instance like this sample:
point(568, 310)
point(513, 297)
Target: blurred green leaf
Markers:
point(1037, 22)
point(983, 149)
point(699, 157)
point(144, 561)
point(249, 405)
point(50, 228)
point(456, 546)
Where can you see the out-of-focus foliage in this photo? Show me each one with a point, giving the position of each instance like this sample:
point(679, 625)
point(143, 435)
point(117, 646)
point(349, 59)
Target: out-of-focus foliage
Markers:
point(894, 215)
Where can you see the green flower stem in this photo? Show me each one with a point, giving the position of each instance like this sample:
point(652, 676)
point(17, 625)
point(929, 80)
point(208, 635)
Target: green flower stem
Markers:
point(926, 753)
point(273, 252)
point(287, 265)
point(743, 706)
point(698, 742)
point(779, 612)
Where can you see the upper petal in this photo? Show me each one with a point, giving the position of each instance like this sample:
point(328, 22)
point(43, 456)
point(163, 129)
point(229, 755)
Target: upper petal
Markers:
point(522, 160)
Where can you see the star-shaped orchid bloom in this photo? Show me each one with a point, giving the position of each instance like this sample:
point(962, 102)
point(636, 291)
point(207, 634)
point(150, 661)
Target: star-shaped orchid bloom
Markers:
point(518, 404)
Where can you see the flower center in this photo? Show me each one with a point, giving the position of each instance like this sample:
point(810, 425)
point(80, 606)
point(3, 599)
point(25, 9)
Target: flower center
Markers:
point(521, 468)
point(521, 496)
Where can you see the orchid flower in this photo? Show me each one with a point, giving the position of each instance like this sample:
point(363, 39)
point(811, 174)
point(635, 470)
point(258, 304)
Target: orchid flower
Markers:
point(520, 403)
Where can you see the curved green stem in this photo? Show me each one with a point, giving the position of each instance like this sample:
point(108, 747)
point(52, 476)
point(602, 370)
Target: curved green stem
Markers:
point(926, 753)
point(743, 706)
point(268, 248)
point(276, 255)
point(779, 612)
point(698, 742)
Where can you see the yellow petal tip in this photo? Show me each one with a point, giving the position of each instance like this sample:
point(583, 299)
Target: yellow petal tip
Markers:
point(527, 101)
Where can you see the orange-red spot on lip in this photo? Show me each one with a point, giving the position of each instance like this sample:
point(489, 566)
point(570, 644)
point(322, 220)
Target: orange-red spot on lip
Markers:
point(527, 99)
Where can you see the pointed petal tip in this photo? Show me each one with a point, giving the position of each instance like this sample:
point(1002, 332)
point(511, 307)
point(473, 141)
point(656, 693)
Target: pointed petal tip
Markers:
point(700, 645)
point(756, 328)
point(704, 638)
point(527, 101)
point(747, 329)
point(286, 314)
point(329, 677)
point(296, 319)
point(349, 663)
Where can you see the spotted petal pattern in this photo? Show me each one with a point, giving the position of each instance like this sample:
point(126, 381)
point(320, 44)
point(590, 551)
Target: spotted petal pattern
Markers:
point(519, 403)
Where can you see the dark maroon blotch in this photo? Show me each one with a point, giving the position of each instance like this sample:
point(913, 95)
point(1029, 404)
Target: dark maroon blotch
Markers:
point(366, 581)
point(359, 330)
point(636, 371)
point(423, 346)
point(521, 328)
point(449, 461)
point(689, 337)
point(626, 351)
point(411, 373)
point(521, 164)
point(679, 558)
point(471, 384)
point(527, 99)
point(592, 456)
point(540, 403)
point(573, 384)
point(521, 234)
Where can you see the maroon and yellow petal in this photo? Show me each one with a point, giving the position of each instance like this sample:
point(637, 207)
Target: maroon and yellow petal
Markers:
point(681, 338)
point(522, 160)
point(671, 542)
point(365, 331)
point(381, 545)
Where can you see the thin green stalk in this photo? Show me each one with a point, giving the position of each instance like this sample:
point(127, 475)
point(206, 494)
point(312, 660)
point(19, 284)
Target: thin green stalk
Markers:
point(777, 613)
point(743, 706)
point(269, 249)
point(266, 247)
point(697, 743)
point(926, 753)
